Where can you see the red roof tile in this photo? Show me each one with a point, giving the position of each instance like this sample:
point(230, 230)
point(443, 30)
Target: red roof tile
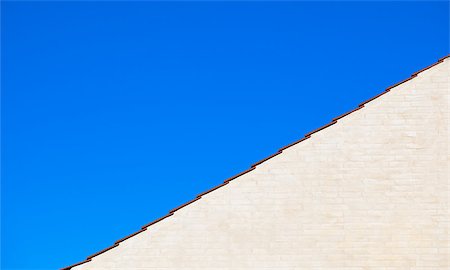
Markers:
point(307, 136)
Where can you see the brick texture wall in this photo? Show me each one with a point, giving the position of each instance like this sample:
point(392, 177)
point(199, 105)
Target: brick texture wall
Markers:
point(369, 192)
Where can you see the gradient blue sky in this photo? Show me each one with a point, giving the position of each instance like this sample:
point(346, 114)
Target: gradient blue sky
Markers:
point(113, 113)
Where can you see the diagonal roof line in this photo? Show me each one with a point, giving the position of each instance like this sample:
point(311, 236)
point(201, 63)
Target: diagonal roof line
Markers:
point(307, 136)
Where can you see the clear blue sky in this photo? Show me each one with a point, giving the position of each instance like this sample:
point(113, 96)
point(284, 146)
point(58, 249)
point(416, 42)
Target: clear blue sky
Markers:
point(114, 113)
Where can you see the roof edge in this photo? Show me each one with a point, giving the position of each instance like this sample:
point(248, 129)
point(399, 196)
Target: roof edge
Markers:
point(307, 136)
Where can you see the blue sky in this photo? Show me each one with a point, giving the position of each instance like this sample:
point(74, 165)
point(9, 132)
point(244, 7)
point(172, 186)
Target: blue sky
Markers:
point(113, 113)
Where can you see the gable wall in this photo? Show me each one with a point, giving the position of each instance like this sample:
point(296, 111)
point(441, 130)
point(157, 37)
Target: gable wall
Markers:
point(369, 192)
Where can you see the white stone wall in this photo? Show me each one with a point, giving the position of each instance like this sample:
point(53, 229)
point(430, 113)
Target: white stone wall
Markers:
point(369, 192)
